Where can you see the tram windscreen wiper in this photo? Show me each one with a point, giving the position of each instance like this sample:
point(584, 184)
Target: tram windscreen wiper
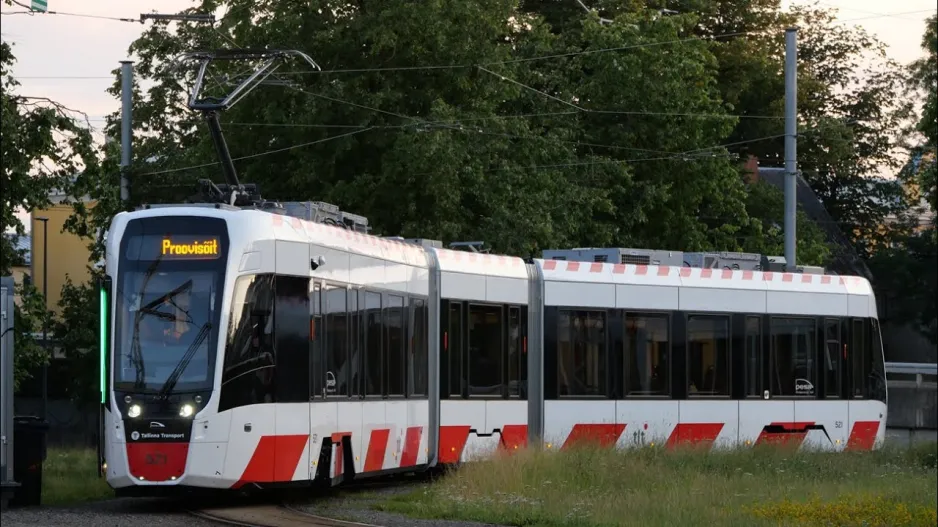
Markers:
point(184, 361)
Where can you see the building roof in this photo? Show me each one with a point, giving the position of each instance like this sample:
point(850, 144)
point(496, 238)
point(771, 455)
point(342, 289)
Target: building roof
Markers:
point(22, 245)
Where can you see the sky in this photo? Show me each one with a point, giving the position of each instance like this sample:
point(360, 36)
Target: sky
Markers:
point(52, 50)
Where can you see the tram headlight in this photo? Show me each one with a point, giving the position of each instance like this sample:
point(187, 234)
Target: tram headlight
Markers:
point(134, 411)
point(186, 410)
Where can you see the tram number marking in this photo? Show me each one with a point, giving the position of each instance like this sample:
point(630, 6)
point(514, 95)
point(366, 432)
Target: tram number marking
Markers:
point(838, 424)
point(158, 458)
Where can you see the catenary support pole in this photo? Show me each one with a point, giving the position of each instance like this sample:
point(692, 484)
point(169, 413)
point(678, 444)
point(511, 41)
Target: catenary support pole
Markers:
point(791, 154)
point(45, 327)
point(127, 73)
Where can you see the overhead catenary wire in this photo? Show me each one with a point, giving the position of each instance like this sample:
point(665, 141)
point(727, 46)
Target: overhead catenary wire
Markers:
point(406, 117)
point(685, 156)
point(195, 17)
point(578, 108)
point(259, 154)
point(527, 59)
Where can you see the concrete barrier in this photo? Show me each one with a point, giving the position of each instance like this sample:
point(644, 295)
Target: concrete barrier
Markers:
point(905, 438)
point(913, 396)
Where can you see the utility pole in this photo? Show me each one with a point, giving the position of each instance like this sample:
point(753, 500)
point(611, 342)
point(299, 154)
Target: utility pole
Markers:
point(791, 145)
point(127, 72)
point(127, 76)
point(45, 305)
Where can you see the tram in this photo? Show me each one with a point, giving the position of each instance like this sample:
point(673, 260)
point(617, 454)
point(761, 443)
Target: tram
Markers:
point(246, 348)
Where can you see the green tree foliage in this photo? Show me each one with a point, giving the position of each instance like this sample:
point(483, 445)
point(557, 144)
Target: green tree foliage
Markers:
point(908, 270)
point(77, 334)
point(42, 146)
point(925, 81)
point(527, 132)
point(849, 117)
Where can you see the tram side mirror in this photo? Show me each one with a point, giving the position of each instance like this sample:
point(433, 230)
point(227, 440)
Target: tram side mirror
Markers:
point(317, 262)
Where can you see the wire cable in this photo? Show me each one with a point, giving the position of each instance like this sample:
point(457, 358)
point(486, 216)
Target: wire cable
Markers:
point(259, 154)
point(32, 12)
point(531, 59)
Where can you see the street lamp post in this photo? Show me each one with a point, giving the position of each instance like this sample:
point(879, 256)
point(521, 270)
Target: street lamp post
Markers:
point(45, 300)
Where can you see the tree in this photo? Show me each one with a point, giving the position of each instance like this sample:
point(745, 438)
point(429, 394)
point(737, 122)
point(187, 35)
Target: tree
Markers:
point(909, 269)
point(850, 121)
point(767, 207)
point(43, 145)
point(925, 80)
point(77, 335)
point(459, 151)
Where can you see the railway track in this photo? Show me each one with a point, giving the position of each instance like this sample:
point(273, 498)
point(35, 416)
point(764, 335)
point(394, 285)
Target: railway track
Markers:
point(283, 514)
point(270, 515)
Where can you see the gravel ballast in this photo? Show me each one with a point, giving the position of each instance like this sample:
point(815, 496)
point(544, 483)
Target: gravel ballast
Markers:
point(110, 513)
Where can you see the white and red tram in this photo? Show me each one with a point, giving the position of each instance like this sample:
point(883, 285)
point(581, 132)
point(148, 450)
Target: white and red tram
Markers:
point(245, 348)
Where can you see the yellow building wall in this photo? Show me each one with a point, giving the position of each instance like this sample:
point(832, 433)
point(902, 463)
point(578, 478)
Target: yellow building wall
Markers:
point(68, 254)
point(19, 272)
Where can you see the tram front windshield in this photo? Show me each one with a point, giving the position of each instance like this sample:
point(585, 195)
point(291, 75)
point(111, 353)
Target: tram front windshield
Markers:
point(166, 325)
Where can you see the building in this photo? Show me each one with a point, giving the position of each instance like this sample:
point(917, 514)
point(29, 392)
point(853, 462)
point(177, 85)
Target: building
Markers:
point(68, 254)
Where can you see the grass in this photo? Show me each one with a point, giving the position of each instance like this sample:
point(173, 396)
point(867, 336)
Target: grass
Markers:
point(651, 487)
point(70, 476)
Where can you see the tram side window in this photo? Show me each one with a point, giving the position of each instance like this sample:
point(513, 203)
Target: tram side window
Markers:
point(859, 357)
point(794, 345)
point(581, 353)
point(647, 355)
point(250, 354)
point(356, 302)
point(291, 327)
point(454, 344)
point(708, 355)
point(485, 350)
point(417, 365)
point(336, 345)
point(517, 356)
point(394, 345)
point(832, 357)
point(877, 377)
point(317, 341)
point(373, 342)
point(754, 357)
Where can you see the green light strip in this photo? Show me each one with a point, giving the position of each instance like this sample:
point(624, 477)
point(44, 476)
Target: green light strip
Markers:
point(103, 345)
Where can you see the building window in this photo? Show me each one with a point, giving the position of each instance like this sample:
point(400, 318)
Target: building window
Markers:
point(647, 350)
point(708, 355)
point(581, 356)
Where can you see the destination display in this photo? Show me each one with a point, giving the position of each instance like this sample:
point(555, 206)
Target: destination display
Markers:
point(173, 247)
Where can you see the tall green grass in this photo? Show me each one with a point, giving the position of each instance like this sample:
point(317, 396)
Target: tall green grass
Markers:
point(70, 476)
point(600, 487)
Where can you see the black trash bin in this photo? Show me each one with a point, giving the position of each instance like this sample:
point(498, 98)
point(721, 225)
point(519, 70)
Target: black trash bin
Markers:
point(29, 452)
